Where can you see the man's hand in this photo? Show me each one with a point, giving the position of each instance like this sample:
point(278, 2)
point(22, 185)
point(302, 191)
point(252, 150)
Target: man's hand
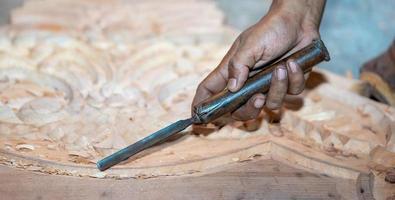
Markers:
point(287, 27)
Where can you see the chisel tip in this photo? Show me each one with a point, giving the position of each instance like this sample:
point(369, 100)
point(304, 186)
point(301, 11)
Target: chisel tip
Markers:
point(142, 144)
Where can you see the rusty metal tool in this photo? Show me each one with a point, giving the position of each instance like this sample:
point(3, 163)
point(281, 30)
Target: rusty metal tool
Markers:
point(223, 102)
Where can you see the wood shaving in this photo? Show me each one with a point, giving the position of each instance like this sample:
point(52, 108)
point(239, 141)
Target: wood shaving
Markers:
point(99, 175)
point(34, 168)
point(51, 146)
point(235, 159)
point(24, 147)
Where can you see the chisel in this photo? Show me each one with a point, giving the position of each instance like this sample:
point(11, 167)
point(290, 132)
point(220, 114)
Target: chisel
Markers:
point(223, 102)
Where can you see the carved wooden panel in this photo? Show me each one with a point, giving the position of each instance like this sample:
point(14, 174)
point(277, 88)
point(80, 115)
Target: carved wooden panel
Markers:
point(77, 84)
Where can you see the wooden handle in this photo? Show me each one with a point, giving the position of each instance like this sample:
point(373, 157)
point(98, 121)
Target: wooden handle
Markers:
point(226, 101)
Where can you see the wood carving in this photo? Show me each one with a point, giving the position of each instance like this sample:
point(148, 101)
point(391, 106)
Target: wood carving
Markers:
point(77, 84)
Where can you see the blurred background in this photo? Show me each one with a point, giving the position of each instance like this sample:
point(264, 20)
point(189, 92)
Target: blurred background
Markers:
point(353, 30)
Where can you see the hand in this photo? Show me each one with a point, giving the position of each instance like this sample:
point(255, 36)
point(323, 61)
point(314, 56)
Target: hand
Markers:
point(288, 27)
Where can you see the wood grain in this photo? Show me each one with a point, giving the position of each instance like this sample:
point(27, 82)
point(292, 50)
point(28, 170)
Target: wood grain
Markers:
point(258, 179)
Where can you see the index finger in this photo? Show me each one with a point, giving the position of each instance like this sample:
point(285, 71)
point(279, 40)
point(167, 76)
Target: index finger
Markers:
point(217, 80)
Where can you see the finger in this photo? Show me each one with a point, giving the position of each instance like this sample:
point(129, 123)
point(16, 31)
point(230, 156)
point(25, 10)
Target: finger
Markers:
point(216, 81)
point(278, 88)
point(239, 67)
point(251, 109)
point(212, 84)
point(295, 78)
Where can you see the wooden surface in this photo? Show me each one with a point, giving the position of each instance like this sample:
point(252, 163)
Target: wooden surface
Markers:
point(328, 128)
point(331, 130)
point(258, 179)
point(339, 176)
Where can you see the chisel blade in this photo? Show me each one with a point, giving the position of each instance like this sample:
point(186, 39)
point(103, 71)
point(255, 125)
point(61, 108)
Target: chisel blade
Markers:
point(154, 138)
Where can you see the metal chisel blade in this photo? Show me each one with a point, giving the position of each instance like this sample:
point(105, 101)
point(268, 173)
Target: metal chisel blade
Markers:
point(142, 144)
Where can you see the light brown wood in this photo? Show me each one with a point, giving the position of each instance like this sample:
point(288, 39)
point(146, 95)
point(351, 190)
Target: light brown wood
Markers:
point(257, 179)
point(82, 79)
point(79, 83)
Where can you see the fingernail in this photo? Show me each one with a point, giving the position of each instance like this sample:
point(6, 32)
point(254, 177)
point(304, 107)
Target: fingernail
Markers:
point(281, 74)
point(258, 103)
point(232, 84)
point(293, 66)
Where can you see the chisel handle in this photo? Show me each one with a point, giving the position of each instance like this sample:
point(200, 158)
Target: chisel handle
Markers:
point(226, 101)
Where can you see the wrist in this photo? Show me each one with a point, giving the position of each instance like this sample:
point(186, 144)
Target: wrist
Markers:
point(306, 14)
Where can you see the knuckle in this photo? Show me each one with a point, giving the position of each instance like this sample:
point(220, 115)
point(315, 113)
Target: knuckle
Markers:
point(296, 90)
point(246, 113)
point(296, 85)
point(245, 34)
point(278, 88)
point(257, 52)
point(235, 66)
point(237, 116)
point(296, 79)
point(253, 116)
point(282, 67)
point(274, 102)
point(200, 87)
point(272, 106)
point(244, 117)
